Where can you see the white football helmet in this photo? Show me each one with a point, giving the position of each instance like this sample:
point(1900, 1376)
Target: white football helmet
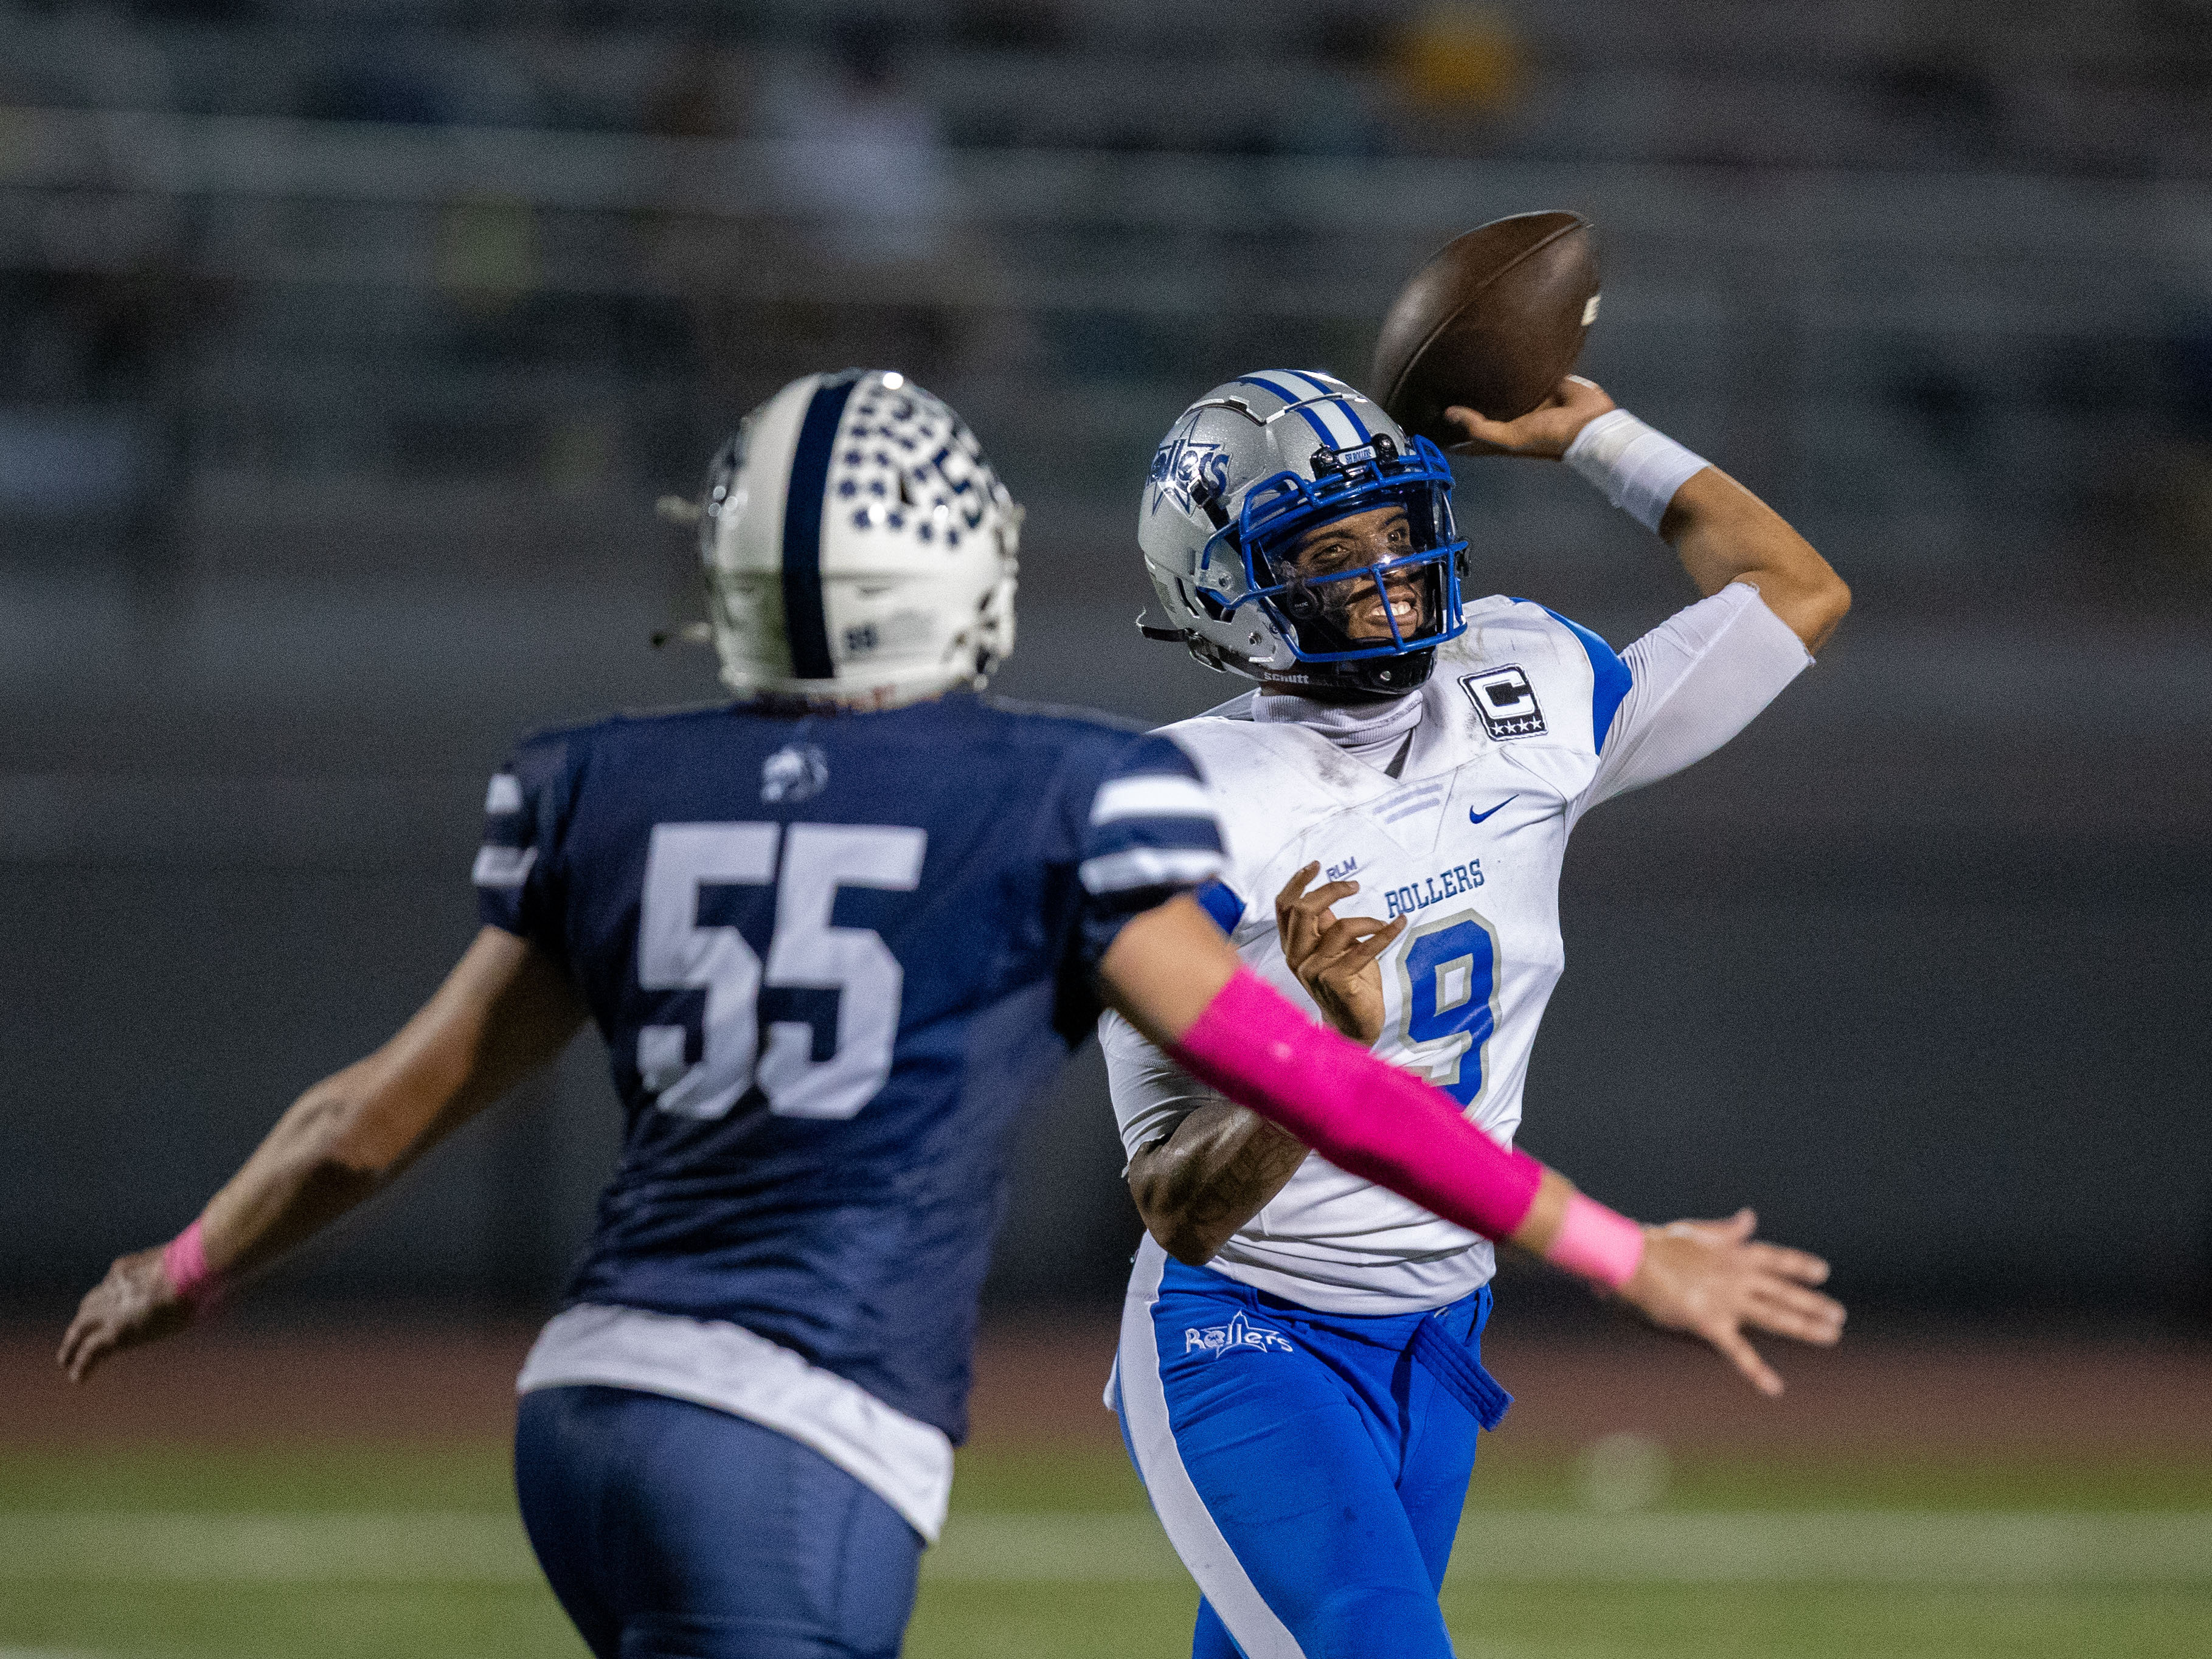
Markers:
point(858, 547)
point(1242, 475)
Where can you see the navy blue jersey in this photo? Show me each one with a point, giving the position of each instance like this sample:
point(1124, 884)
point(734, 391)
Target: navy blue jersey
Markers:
point(831, 956)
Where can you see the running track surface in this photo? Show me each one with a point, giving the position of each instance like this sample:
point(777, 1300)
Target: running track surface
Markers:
point(1038, 1380)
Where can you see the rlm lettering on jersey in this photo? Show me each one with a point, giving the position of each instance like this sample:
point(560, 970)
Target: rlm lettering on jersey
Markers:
point(1530, 720)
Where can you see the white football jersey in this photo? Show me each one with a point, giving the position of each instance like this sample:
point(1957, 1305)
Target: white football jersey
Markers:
point(1528, 721)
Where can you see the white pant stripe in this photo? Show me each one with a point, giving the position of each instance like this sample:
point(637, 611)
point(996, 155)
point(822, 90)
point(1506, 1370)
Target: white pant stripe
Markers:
point(1182, 1512)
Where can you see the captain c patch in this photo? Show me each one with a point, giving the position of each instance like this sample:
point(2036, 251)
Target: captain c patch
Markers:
point(1506, 702)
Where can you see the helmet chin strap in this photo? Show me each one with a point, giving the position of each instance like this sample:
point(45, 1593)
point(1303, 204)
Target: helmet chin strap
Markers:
point(1372, 679)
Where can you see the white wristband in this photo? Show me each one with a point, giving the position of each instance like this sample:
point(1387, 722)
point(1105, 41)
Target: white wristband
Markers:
point(1637, 469)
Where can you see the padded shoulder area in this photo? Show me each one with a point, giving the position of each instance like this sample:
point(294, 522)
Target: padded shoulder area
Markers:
point(1532, 676)
point(1268, 784)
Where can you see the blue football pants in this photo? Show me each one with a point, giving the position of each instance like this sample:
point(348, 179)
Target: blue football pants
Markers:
point(1308, 1470)
point(675, 1531)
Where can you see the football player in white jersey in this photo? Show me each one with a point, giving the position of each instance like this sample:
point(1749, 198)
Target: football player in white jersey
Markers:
point(1298, 1375)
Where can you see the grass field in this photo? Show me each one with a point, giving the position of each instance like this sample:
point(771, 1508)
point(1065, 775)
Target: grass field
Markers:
point(411, 1549)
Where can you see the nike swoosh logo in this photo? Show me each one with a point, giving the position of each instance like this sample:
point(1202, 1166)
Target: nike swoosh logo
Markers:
point(1473, 816)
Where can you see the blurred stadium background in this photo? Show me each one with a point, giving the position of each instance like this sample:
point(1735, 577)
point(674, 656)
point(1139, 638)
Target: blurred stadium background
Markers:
point(346, 344)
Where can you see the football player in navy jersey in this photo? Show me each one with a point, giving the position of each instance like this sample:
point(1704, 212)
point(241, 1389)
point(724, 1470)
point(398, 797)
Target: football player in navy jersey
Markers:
point(834, 934)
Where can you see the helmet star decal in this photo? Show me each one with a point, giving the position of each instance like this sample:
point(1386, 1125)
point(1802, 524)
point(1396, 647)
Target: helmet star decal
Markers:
point(1184, 462)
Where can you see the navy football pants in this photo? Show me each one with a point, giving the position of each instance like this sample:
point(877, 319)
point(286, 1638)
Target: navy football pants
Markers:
point(674, 1531)
point(1310, 1471)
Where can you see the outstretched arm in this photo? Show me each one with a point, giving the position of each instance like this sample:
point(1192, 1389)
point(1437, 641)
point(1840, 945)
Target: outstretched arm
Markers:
point(505, 1009)
point(1171, 975)
point(1722, 532)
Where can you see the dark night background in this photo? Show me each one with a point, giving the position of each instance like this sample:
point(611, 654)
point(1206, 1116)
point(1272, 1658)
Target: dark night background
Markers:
point(345, 345)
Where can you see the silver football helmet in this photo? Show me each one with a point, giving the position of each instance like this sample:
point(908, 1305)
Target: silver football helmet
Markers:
point(857, 545)
point(1244, 473)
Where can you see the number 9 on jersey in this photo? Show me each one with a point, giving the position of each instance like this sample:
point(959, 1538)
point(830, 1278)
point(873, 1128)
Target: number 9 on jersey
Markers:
point(1449, 979)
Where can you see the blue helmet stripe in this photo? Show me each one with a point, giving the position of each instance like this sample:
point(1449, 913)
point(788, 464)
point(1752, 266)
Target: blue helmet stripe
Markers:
point(1289, 395)
point(1328, 406)
point(805, 621)
point(1319, 426)
point(1341, 398)
point(1342, 401)
point(1291, 401)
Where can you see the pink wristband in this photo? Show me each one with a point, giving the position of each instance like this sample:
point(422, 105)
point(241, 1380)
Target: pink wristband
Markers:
point(183, 1258)
point(1361, 1114)
point(1596, 1243)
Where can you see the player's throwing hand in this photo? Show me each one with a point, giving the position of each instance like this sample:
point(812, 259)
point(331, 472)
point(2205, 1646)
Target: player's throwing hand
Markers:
point(1335, 958)
point(1544, 433)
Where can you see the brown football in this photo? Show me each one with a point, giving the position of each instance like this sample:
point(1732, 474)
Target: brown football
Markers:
point(1492, 322)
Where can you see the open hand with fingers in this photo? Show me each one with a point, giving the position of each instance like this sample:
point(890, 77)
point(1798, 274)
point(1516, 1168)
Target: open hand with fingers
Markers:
point(134, 1304)
point(1336, 959)
point(1714, 1281)
point(1543, 433)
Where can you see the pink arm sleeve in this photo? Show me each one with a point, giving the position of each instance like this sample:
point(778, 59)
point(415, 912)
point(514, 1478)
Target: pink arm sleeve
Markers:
point(1361, 1114)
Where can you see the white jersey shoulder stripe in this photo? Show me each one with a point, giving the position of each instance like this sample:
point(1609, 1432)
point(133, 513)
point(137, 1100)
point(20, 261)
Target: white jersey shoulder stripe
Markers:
point(503, 866)
point(1151, 795)
point(1148, 867)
